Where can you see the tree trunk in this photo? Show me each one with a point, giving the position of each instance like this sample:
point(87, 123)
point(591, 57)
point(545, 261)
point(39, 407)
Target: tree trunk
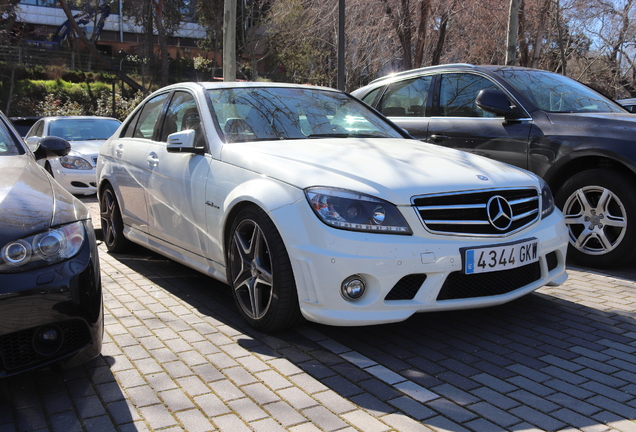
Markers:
point(163, 43)
point(402, 27)
point(437, 54)
point(513, 30)
point(561, 41)
point(421, 33)
point(229, 41)
point(541, 31)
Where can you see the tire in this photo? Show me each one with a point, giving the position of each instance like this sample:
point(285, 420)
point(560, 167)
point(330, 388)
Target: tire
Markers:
point(600, 212)
point(260, 273)
point(112, 223)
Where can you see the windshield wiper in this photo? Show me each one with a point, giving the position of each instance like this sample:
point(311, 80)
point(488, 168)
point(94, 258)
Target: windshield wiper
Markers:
point(347, 135)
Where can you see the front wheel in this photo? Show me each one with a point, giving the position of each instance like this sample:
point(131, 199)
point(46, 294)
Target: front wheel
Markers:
point(600, 212)
point(260, 273)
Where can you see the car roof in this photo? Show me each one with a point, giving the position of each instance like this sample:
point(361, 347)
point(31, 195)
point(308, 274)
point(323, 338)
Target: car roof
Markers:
point(450, 67)
point(211, 85)
point(78, 117)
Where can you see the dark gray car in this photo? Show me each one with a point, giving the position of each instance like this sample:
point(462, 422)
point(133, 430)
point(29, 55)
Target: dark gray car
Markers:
point(580, 142)
point(50, 288)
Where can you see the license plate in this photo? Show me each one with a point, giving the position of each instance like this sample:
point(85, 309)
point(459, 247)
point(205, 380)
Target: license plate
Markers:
point(503, 257)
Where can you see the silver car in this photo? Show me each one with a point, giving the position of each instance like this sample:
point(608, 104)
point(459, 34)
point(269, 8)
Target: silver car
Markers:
point(75, 171)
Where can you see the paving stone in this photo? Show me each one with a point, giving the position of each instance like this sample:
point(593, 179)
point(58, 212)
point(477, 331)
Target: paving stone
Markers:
point(324, 419)
point(177, 356)
point(247, 409)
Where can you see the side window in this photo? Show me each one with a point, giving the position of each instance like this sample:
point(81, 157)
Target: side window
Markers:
point(148, 117)
point(406, 98)
point(182, 114)
point(458, 93)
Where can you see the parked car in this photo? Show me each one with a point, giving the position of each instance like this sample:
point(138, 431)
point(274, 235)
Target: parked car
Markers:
point(23, 124)
point(628, 104)
point(306, 202)
point(580, 142)
point(50, 289)
point(75, 171)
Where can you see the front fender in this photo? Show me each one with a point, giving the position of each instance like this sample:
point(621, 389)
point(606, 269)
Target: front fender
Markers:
point(266, 193)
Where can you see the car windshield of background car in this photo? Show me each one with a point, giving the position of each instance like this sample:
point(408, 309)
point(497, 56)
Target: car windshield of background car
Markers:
point(83, 130)
point(558, 94)
point(269, 113)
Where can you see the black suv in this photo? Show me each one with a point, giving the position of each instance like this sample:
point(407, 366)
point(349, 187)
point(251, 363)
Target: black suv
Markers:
point(580, 142)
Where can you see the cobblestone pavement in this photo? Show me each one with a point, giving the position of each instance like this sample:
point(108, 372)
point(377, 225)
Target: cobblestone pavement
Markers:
point(177, 356)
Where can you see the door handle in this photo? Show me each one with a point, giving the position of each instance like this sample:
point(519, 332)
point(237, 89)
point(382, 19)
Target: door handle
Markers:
point(153, 159)
point(120, 150)
point(436, 137)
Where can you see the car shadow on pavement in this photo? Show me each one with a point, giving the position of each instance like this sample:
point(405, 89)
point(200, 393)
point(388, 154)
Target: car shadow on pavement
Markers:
point(86, 397)
point(551, 359)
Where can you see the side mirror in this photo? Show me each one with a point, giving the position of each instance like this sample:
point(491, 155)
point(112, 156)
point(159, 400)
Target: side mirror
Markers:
point(51, 147)
point(183, 142)
point(496, 102)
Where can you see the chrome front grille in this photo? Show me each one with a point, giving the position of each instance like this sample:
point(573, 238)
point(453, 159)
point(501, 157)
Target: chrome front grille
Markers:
point(467, 213)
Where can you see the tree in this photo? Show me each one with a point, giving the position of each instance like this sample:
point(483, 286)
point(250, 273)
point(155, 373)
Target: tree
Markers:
point(513, 29)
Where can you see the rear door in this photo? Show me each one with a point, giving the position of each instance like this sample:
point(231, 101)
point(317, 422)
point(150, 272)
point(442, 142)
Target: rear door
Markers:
point(131, 166)
point(459, 123)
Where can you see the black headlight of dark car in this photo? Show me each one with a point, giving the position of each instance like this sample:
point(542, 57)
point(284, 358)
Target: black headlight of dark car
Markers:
point(43, 249)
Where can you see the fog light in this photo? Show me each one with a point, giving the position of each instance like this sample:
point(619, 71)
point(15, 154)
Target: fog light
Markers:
point(48, 340)
point(353, 288)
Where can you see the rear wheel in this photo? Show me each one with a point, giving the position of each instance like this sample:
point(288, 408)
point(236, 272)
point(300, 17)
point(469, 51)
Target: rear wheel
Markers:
point(260, 273)
point(600, 212)
point(112, 223)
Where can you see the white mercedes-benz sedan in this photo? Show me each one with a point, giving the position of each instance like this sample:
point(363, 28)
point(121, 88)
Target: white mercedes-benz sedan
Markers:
point(310, 204)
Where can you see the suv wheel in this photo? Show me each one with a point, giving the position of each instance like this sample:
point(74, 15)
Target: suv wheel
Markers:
point(600, 212)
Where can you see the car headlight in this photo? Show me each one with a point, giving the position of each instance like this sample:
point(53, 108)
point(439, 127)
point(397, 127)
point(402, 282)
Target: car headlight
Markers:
point(547, 201)
point(43, 249)
point(356, 211)
point(75, 162)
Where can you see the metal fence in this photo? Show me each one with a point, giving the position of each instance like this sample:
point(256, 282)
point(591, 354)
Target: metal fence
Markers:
point(31, 56)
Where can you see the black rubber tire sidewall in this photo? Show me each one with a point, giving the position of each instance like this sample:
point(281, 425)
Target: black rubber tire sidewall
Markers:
point(621, 186)
point(284, 309)
point(120, 243)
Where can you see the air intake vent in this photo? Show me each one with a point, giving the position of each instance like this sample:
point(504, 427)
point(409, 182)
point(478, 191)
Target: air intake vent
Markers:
point(406, 288)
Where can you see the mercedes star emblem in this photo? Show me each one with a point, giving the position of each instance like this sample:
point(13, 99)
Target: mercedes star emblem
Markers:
point(499, 213)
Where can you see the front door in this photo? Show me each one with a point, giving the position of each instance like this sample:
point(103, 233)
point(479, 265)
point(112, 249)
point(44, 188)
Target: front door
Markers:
point(459, 123)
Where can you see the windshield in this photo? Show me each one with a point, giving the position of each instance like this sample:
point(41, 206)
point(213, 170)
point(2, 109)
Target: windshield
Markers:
point(556, 93)
point(275, 113)
point(83, 129)
point(8, 146)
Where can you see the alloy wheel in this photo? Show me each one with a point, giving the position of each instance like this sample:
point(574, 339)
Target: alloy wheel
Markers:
point(596, 219)
point(251, 263)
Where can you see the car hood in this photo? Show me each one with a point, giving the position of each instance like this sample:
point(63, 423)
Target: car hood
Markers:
point(392, 169)
point(90, 147)
point(31, 201)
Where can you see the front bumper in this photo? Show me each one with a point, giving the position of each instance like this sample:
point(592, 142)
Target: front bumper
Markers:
point(406, 274)
point(77, 182)
point(65, 297)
